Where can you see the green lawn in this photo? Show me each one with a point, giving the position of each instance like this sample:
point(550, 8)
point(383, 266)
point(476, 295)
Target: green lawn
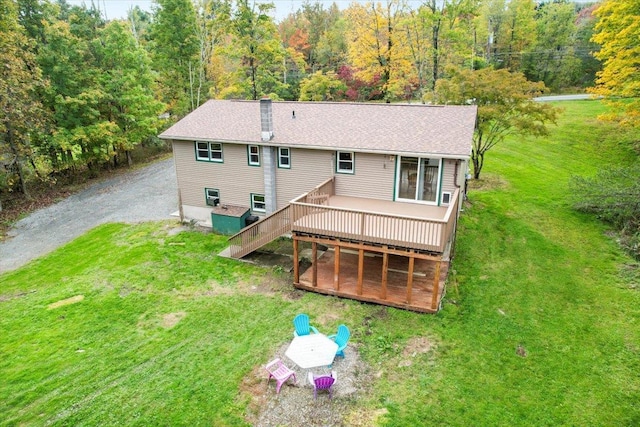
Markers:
point(540, 326)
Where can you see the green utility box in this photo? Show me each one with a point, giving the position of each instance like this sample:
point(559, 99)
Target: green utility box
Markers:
point(229, 219)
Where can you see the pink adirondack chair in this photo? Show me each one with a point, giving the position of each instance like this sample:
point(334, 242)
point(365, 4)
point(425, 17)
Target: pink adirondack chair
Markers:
point(280, 372)
point(322, 382)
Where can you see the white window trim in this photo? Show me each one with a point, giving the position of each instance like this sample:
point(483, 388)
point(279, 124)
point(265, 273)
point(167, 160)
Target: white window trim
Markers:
point(253, 203)
point(215, 193)
point(280, 156)
point(250, 154)
point(442, 197)
point(438, 184)
point(352, 161)
point(210, 152)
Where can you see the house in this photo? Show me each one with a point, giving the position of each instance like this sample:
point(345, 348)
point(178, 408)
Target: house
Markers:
point(374, 189)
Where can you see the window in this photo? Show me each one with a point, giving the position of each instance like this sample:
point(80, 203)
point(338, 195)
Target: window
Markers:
point(345, 162)
point(417, 179)
point(212, 196)
point(258, 203)
point(446, 197)
point(209, 151)
point(284, 158)
point(253, 152)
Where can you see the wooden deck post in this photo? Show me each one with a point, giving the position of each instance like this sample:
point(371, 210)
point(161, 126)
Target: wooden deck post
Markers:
point(336, 267)
point(296, 262)
point(360, 270)
point(314, 256)
point(436, 285)
point(410, 277)
point(385, 269)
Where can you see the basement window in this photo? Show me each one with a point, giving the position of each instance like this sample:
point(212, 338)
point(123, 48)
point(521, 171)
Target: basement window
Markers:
point(212, 196)
point(258, 203)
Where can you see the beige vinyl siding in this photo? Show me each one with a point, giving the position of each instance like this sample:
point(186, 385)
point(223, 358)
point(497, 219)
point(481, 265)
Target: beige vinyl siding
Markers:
point(235, 179)
point(373, 177)
point(448, 176)
point(308, 169)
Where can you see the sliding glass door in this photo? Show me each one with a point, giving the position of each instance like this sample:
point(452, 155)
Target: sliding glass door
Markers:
point(417, 179)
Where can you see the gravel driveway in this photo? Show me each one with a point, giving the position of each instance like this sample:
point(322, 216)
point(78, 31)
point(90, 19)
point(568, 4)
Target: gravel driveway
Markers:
point(146, 194)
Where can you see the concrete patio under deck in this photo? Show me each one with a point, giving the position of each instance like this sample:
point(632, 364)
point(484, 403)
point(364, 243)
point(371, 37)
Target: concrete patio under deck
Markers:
point(420, 297)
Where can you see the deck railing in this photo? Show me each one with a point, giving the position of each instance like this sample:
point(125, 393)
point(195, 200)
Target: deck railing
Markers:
point(372, 227)
point(310, 213)
point(260, 233)
point(319, 195)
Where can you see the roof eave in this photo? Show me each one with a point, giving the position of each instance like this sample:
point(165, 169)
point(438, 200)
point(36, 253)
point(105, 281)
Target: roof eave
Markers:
point(272, 143)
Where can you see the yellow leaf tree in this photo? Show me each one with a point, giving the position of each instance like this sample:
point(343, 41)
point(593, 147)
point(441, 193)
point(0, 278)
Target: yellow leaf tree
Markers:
point(618, 34)
point(378, 49)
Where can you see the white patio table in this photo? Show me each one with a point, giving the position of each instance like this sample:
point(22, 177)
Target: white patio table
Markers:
point(310, 351)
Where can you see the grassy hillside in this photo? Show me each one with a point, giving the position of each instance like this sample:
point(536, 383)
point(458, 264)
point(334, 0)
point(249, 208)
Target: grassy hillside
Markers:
point(540, 324)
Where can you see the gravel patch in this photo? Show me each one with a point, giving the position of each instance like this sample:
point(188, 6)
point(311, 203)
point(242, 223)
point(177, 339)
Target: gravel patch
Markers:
point(145, 194)
point(295, 404)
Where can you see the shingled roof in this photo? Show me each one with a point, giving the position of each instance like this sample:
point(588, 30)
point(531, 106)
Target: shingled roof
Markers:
point(387, 128)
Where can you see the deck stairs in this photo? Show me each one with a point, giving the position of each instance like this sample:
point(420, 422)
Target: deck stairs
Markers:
point(260, 233)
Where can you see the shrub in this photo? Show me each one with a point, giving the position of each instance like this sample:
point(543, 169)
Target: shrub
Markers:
point(613, 195)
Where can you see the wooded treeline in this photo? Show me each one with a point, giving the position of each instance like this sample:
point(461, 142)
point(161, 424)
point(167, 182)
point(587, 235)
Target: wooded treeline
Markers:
point(79, 92)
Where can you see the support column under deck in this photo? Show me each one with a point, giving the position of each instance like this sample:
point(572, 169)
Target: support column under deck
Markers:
point(377, 274)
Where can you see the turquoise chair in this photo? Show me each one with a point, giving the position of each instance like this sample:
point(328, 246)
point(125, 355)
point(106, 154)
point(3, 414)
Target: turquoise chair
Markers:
point(301, 323)
point(341, 338)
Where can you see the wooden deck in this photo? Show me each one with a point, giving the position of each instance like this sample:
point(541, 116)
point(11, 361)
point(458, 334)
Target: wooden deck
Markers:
point(398, 291)
point(408, 225)
point(385, 252)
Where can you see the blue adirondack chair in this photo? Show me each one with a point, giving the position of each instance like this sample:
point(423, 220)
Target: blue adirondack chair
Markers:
point(341, 338)
point(301, 323)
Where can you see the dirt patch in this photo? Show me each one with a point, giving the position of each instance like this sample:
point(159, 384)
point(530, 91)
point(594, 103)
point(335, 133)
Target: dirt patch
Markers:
point(172, 319)
point(364, 418)
point(68, 301)
point(7, 297)
point(488, 182)
point(416, 346)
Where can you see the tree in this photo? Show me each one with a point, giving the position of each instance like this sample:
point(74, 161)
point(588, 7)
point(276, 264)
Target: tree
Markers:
point(258, 51)
point(618, 34)
point(331, 50)
point(378, 48)
point(438, 35)
point(127, 82)
point(505, 107)
point(73, 96)
point(321, 87)
point(175, 50)
point(507, 29)
point(552, 57)
point(21, 113)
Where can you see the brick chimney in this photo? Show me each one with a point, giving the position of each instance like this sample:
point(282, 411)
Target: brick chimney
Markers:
point(266, 119)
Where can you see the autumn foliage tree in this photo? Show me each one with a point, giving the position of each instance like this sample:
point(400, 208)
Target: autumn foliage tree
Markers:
point(618, 34)
point(378, 48)
point(505, 107)
point(322, 87)
point(21, 113)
